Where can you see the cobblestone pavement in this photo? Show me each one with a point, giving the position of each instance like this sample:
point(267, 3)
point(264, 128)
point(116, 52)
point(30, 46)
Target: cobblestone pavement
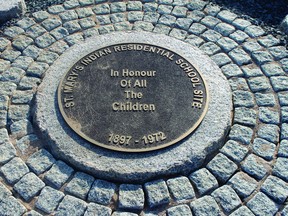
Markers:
point(249, 174)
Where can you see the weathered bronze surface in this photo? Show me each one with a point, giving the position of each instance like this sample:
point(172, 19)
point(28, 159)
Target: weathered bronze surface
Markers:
point(133, 97)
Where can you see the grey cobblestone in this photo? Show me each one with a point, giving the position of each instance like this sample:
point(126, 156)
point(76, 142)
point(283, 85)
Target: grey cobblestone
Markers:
point(279, 83)
point(225, 29)
point(101, 9)
point(226, 16)
point(118, 7)
point(80, 185)
point(212, 9)
point(251, 71)
point(84, 12)
point(71, 206)
point(49, 199)
point(256, 166)
point(71, 4)
point(22, 42)
point(118, 17)
point(18, 112)
point(13, 206)
point(205, 206)
point(4, 43)
point(196, 5)
point(243, 211)
point(86, 2)
point(272, 69)
point(96, 209)
point(221, 59)
point(25, 23)
point(265, 99)
point(167, 19)
point(196, 15)
point(210, 21)
point(261, 57)
point(241, 133)
point(72, 26)
point(56, 9)
point(47, 57)
point(59, 47)
point(258, 84)
point(32, 213)
point(120, 213)
point(73, 39)
point(260, 204)
point(210, 48)
point(22, 62)
point(135, 16)
point(7, 152)
point(179, 11)
point(269, 132)
point(101, 192)
point(267, 115)
point(25, 142)
point(59, 33)
point(4, 137)
point(157, 193)
point(268, 41)
point(180, 189)
point(134, 6)
point(10, 55)
point(243, 184)
point(180, 210)
point(211, 35)
point(238, 36)
point(122, 26)
point(13, 31)
point(58, 174)
point(32, 51)
point(104, 19)
point(7, 88)
point(241, 23)
point(37, 69)
point(39, 16)
point(197, 28)
point(4, 65)
point(284, 63)
point(183, 23)
point(13, 74)
point(164, 9)
point(278, 52)
point(234, 151)
point(263, 148)
point(29, 186)
point(251, 46)
point(28, 83)
point(40, 161)
point(280, 168)
point(245, 116)
point(107, 29)
point(21, 128)
point(194, 40)
point(44, 41)
point(151, 17)
point(283, 98)
point(283, 149)
point(14, 170)
point(131, 197)
point(243, 98)
point(143, 26)
point(87, 23)
point(284, 114)
point(226, 44)
point(150, 7)
point(51, 23)
point(204, 181)
point(254, 31)
point(240, 56)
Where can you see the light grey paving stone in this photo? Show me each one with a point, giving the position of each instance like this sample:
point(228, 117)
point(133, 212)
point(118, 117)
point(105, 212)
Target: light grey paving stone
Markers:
point(265, 99)
point(268, 41)
point(22, 62)
point(167, 19)
point(22, 42)
point(28, 83)
point(222, 167)
point(86, 2)
point(227, 198)
point(25, 142)
point(221, 59)
point(272, 69)
point(197, 29)
point(180, 2)
point(13, 74)
point(118, 7)
point(275, 188)
point(227, 44)
point(51, 23)
point(243, 99)
point(14, 170)
point(107, 29)
point(59, 33)
point(102, 9)
point(10, 55)
point(284, 131)
point(21, 128)
point(32, 51)
point(71, 4)
point(238, 36)
point(134, 6)
point(262, 57)
point(44, 41)
point(13, 206)
point(283, 149)
point(80, 185)
point(37, 69)
point(226, 16)
point(35, 31)
point(4, 192)
point(13, 31)
point(225, 29)
point(243, 211)
point(32, 213)
point(28, 186)
point(263, 148)
point(241, 23)
point(251, 70)
point(269, 115)
point(3, 118)
point(143, 26)
point(180, 189)
point(278, 52)
point(195, 15)
point(4, 106)
point(25, 23)
point(164, 9)
point(59, 47)
point(183, 23)
point(101, 192)
point(194, 40)
point(203, 180)
point(18, 112)
point(251, 46)
point(131, 197)
point(243, 184)
point(231, 70)
point(74, 39)
point(4, 65)
point(135, 16)
point(150, 7)
point(152, 17)
point(39, 16)
point(254, 31)
point(283, 98)
point(180, 210)
point(210, 21)
point(7, 152)
point(205, 206)
point(210, 48)
point(71, 206)
point(58, 174)
point(280, 168)
point(260, 205)
point(211, 35)
point(240, 56)
point(279, 83)
point(284, 63)
point(40, 161)
point(196, 5)
point(157, 193)
point(284, 114)
point(245, 116)
point(72, 26)
point(269, 132)
point(7, 88)
point(241, 133)
point(47, 57)
point(258, 84)
point(4, 43)
point(212, 9)
point(96, 209)
point(49, 199)
point(120, 213)
point(256, 166)
point(87, 23)
point(4, 137)
point(179, 11)
point(118, 17)
point(84, 12)
point(56, 9)
point(165, 2)
point(122, 26)
point(103, 19)
point(234, 151)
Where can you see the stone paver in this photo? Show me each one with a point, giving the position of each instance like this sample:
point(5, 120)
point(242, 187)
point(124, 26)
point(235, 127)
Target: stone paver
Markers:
point(157, 193)
point(101, 192)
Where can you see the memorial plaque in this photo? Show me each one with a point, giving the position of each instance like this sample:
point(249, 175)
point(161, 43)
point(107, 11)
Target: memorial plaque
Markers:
point(133, 97)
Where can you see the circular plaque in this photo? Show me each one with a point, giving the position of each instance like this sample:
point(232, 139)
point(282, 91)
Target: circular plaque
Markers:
point(133, 97)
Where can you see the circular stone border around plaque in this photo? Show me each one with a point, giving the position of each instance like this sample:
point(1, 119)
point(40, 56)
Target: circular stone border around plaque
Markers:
point(180, 158)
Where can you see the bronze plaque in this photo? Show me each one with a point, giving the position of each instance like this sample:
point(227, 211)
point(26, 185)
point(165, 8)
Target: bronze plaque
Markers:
point(133, 97)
